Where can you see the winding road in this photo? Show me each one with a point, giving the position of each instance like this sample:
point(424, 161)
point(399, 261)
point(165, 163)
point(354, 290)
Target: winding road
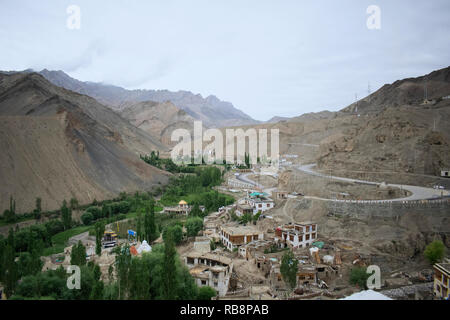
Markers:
point(417, 193)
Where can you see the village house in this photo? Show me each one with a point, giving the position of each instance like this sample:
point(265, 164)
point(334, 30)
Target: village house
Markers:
point(210, 269)
point(182, 208)
point(297, 235)
point(306, 274)
point(243, 209)
point(280, 195)
point(234, 237)
point(260, 204)
point(252, 204)
point(202, 244)
point(251, 249)
point(441, 280)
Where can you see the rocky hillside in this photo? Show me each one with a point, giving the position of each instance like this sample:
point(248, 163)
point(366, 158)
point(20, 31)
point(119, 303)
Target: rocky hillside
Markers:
point(158, 119)
point(212, 111)
point(411, 91)
point(395, 130)
point(57, 144)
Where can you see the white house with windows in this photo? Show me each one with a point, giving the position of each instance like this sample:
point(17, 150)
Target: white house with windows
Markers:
point(297, 235)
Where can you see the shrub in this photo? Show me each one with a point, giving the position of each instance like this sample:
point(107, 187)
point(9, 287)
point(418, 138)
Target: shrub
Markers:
point(95, 211)
point(176, 230)
point(206, 293)
point(193, 226)
point(54, 226)
point(87, 218)
point(359, 276)
point(124, 206)
point(435, 251)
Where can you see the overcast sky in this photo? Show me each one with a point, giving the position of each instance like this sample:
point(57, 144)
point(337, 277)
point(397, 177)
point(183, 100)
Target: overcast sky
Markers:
point(268, 58)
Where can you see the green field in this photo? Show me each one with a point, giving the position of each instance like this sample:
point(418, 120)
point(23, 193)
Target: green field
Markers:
point(59, 240)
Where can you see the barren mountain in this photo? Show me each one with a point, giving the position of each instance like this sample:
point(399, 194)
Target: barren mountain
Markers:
point(411, 91)
point(393, 133)
point(212, 111)
point(159, 119)
point(396, 130)
point(57, 144)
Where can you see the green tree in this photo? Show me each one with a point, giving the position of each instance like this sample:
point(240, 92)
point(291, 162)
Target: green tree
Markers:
point(206, 293)
point(123, 263)
point(74, 205)
point(78, 254)
point(66, 215)
point(193, 226)
point(140, 236)
point(176, 230)
point(169, 266)
point(87, 218)
point(195, 212)
point(99, 231)
point(150, 230)
point(10, 215)
point(359, 276)
point(2, 255)
point(11, 272)
point(38, 210)
point(435, 251)
point(289, 269)
point(98, 287)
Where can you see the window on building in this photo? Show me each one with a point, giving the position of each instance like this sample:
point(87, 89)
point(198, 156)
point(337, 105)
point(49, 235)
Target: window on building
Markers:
point(203, 282)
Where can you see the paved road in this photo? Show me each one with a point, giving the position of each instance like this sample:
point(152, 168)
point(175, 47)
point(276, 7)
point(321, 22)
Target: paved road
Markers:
point(244, 178)
point(417, 193)
point(304, 144)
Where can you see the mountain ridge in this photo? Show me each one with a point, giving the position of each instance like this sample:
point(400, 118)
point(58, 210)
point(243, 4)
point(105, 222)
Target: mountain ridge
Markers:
point(59, 144)
point(211, 110)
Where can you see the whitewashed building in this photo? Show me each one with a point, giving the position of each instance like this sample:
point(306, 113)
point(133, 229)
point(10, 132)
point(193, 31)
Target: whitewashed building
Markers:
point(297, 235)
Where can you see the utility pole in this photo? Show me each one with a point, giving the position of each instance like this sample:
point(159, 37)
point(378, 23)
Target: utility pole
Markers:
point(425, 90)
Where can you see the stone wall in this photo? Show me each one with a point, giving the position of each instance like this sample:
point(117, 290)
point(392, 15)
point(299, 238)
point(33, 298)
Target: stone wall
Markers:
point(388, 210)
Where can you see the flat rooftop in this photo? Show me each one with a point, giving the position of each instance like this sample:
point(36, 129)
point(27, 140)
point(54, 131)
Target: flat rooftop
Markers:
point(210, 256)
point(241, 230)
point(445, 267)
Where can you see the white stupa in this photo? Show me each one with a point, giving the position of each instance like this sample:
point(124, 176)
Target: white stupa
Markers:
point(144, 247)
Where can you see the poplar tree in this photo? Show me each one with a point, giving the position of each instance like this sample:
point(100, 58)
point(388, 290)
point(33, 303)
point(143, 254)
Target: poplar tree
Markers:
point(99, 231)
point(149, 223)
point(66, 215)
point(11, 274)
point(38, 210)
point(169, 267)
point(78, 254)
point(289, 269)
